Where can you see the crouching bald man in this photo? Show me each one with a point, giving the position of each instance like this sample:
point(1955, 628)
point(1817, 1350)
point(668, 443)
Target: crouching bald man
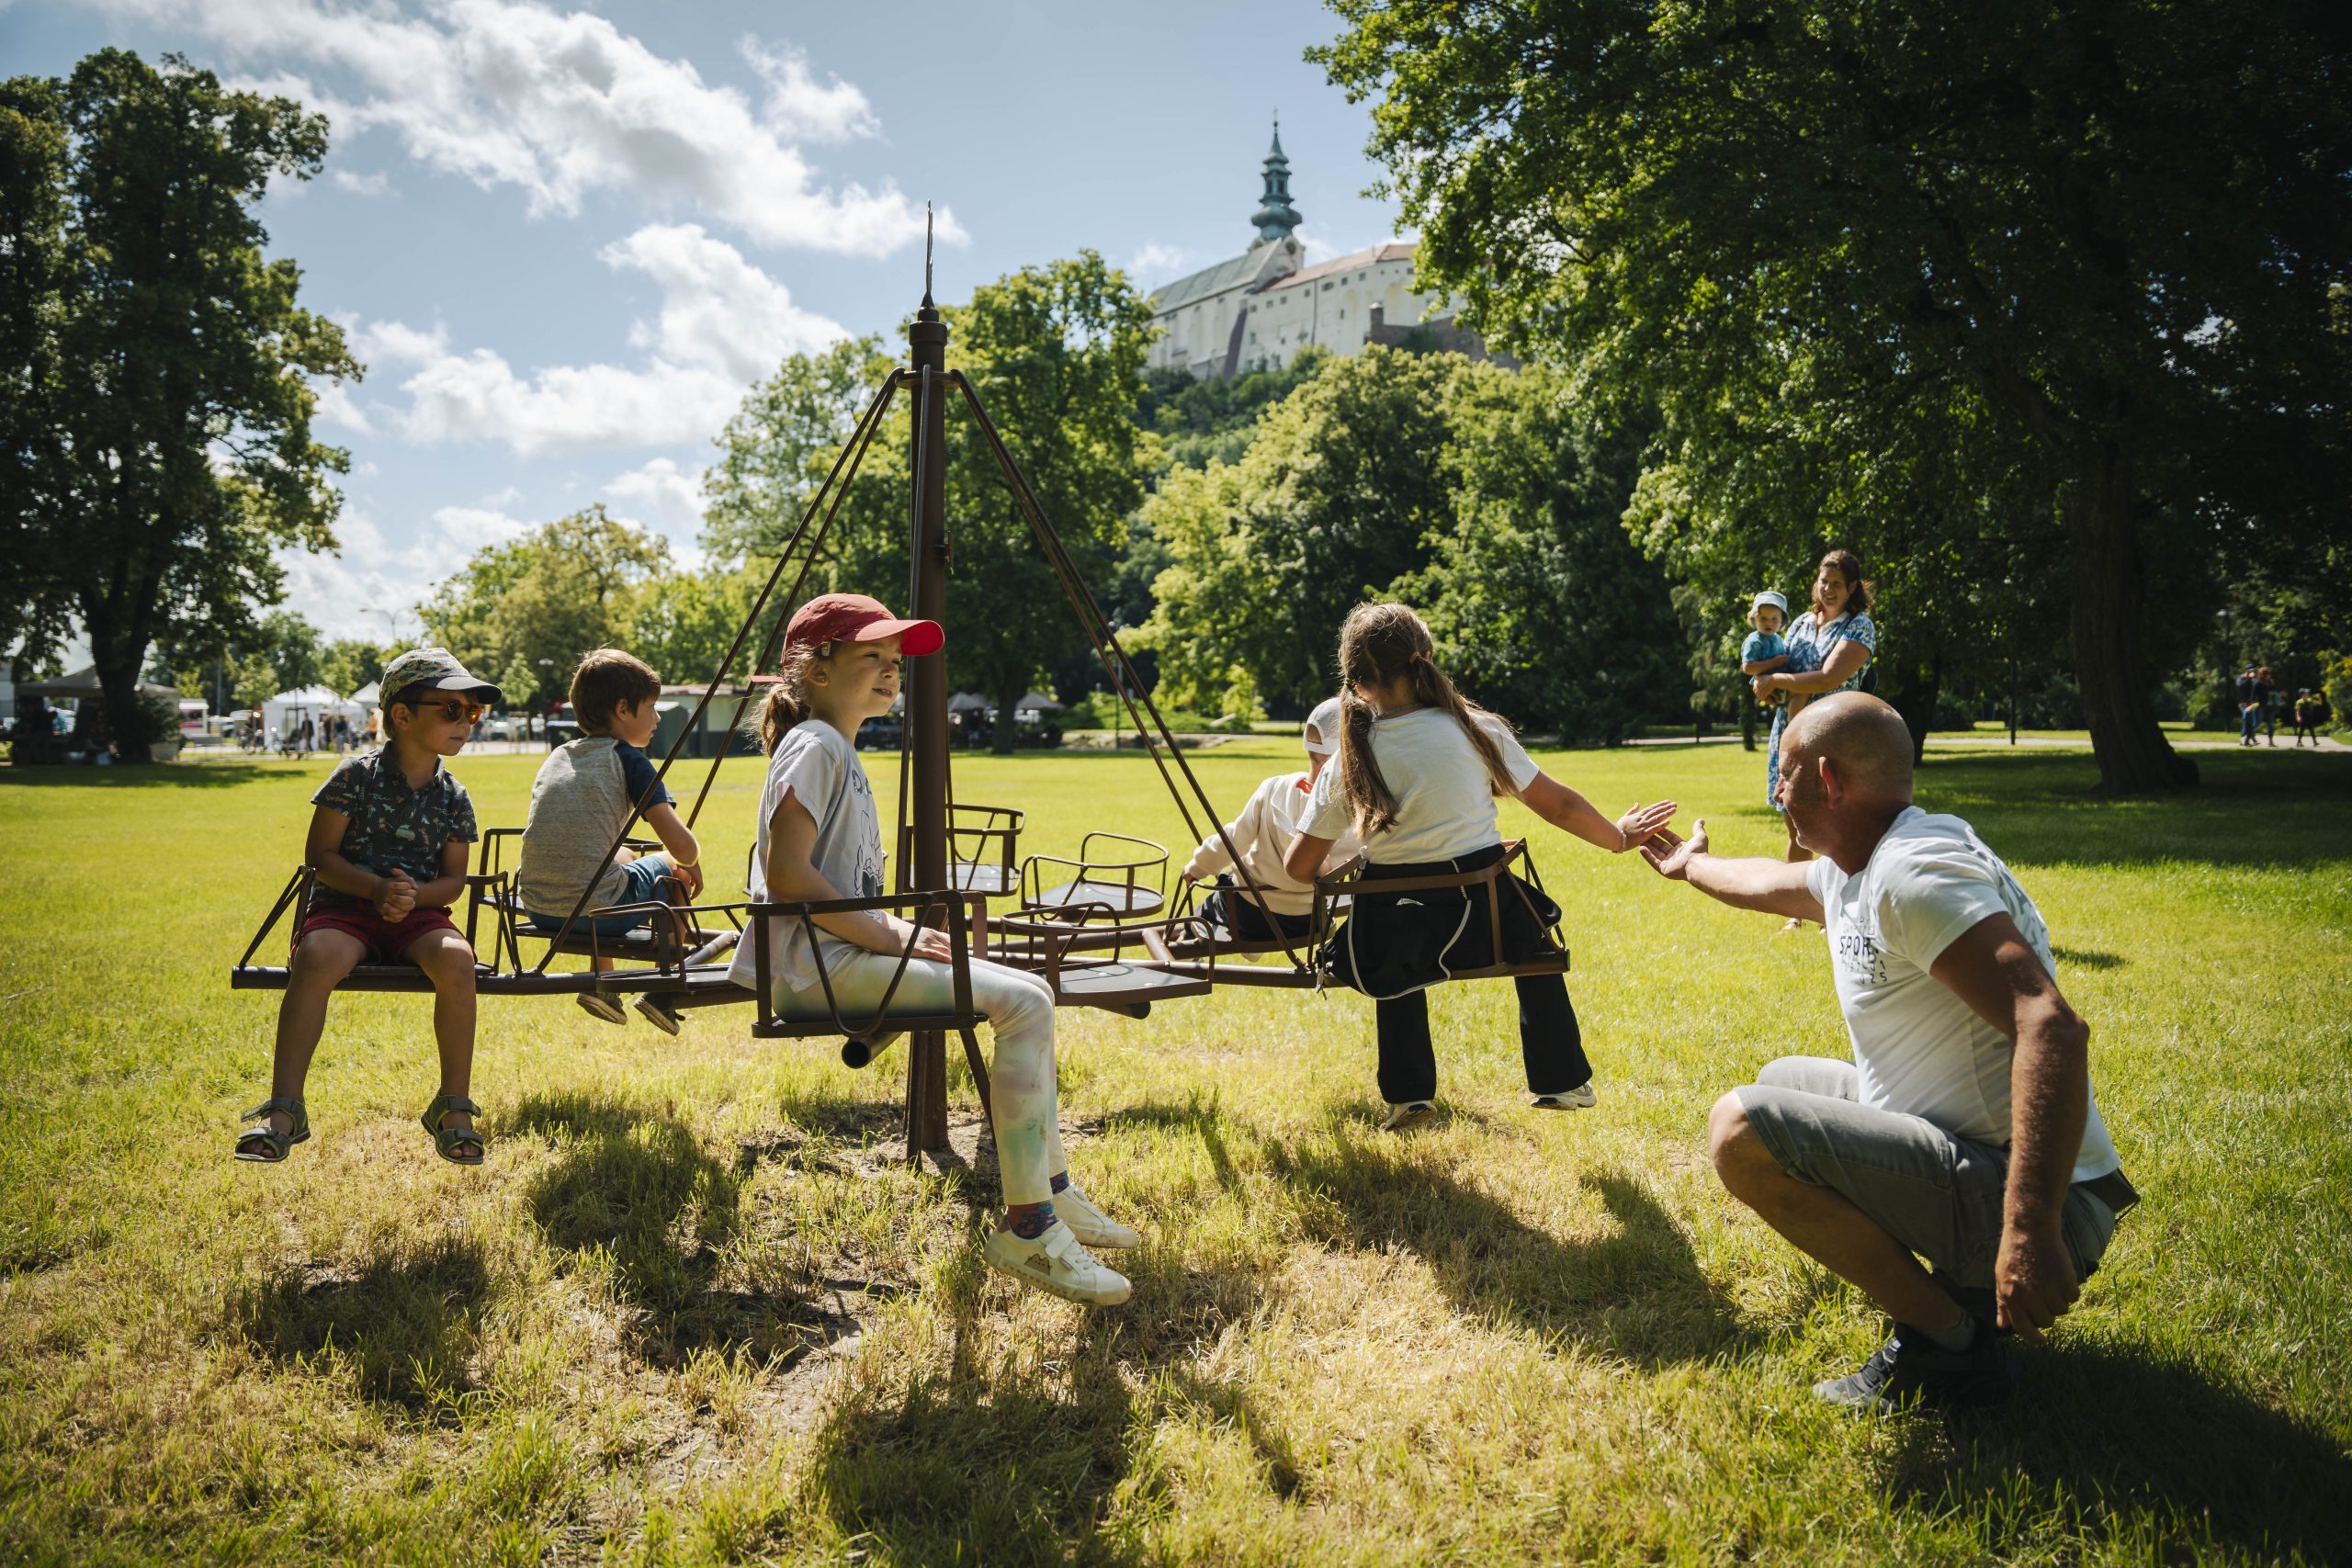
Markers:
point(1963, 1130)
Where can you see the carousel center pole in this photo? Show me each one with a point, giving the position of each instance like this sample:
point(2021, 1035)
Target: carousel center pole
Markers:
point(926, 689)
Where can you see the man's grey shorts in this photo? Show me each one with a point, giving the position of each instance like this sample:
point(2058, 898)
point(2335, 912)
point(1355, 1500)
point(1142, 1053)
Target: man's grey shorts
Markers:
point(1938, 1195)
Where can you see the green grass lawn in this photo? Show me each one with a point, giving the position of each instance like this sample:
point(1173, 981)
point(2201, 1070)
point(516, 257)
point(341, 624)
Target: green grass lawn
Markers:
point(695, 1309)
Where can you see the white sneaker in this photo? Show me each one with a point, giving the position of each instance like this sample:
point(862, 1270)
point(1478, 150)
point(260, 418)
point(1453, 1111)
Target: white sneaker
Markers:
point(1091, 1225)
point(1413, 1114)
point(1580, 1098)
point(602, 1005)
point(1057, 1261)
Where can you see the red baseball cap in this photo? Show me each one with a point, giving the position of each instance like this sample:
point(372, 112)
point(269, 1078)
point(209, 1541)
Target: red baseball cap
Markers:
point(854, 617)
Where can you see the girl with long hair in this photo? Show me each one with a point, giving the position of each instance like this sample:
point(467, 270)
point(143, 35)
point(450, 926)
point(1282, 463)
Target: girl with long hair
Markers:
point(1421, 767)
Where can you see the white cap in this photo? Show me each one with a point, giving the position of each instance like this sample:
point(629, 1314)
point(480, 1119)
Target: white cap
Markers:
point(1323, 728)
point(1775, 597)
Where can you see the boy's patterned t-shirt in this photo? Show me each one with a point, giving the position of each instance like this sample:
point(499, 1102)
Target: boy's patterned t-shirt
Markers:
point(392, 826)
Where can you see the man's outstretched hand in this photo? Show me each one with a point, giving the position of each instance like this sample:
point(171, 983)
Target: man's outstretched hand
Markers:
point(1670, 853)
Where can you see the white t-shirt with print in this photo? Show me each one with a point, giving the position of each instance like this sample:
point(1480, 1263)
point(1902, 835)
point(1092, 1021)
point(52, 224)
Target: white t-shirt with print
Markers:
point(816, 763)
point(1445, 803)
point(1919, 1049)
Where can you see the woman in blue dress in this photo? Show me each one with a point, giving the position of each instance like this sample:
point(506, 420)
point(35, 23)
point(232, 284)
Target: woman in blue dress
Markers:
point(1829, 647)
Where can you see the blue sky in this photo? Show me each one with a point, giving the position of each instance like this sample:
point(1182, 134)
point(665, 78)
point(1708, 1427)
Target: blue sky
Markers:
point(563, 240)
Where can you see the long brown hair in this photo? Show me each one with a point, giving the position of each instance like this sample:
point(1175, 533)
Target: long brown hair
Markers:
point(1378, 644)
point(1858, 592)
point(788, 699)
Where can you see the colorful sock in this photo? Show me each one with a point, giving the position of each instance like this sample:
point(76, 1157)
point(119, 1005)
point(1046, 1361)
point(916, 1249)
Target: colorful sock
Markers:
point(1061, 1182)
point(1036, 1223)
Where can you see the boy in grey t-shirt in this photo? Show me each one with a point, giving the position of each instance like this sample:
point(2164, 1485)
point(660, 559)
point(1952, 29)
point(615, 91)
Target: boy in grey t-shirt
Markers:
point(587, 793)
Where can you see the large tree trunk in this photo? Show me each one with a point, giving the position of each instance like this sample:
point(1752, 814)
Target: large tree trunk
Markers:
point(2134, 757)
point(1911, 687)
point(126, 725)
point(1002, 738)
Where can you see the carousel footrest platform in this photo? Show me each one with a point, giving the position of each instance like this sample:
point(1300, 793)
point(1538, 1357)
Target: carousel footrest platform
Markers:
point(1122, 988)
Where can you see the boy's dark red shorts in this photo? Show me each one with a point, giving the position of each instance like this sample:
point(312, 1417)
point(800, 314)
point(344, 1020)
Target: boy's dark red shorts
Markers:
point(386, 939)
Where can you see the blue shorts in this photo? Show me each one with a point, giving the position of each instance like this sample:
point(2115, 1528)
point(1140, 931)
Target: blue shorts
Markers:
point(643, 885)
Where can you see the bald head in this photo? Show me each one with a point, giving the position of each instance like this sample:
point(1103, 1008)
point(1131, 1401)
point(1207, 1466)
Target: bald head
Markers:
point(1862, 740)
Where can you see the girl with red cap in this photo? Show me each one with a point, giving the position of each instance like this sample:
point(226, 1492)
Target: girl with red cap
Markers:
point(818, 838)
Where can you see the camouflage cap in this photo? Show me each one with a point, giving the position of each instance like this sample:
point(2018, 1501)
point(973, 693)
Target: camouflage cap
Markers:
point(435, 669)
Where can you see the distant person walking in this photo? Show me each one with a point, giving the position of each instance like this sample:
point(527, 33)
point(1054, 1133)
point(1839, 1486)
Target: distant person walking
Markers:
point(2269, 706)
point(2311, 712)
point(2254, 695)
point(1828, 646)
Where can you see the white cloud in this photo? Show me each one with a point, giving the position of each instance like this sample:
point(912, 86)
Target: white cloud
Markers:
point(1154, 260)
point(671, 494)
point(723, 322)
point(336, 406)
point(362, 185)
point(466, 529)
point(559, 104)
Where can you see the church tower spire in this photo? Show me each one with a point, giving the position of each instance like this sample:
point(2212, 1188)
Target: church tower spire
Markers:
point(1276, 217)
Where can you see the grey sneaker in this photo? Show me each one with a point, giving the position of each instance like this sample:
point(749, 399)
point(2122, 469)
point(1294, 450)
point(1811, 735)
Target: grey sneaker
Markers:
point(1091, 1225)
point(1406, 1117)
point(1913, 1368)
point(657, 1011)
point(598, 1005)
point(1580, 1098)
point(1055, 1261)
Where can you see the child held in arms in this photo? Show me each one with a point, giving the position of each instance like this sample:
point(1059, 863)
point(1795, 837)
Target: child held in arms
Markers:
point(1764, 650)
point(588, 792)
point(1261, 835)
point(388, 842)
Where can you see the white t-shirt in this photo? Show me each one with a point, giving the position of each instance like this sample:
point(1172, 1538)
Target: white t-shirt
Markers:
point(817, 765)
point(1275, 817)
point(1445, 803)
point(1919, 1049)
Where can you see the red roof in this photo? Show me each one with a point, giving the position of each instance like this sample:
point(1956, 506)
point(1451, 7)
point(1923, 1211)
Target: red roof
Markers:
point(1395, 250)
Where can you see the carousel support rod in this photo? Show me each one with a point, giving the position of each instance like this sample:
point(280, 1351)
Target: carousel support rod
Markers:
point(926, 689)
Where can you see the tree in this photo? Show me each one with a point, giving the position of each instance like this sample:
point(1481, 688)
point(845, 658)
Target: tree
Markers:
point(544, 600)
point(687, 621)
point(158, 373)
point(1342, 488)
point(1056, 355)
point(346, 664)
point(2079, 256)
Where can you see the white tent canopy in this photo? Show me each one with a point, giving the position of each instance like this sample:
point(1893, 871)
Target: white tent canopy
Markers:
point(83, 682)
point(368, 695)
point(313, 703)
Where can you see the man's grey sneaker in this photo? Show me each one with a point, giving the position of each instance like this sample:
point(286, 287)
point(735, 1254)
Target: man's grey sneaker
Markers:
point(1580, 1098)
point(1411, 1114)
point(602, 1005)
point(657, 1011)
point(1091, 1225)
point(1911, 1367)
point(1055, 1261)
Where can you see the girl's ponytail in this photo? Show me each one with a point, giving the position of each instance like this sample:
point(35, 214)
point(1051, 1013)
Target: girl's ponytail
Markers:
point(786, 703)
point(1373, 803)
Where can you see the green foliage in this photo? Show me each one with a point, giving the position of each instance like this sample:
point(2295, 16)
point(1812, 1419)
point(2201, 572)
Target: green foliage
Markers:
point(2338, 687)
point(294, 648)
point(687, 621)
point(1203, 420)
point(541, 602)
point(2041, 283)
point(159, 369)
point(1471, 491)
point(1056, 354)
point(348, 663)
point(253, 683)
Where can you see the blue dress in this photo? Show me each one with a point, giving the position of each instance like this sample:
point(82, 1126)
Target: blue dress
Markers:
point(1809, 647)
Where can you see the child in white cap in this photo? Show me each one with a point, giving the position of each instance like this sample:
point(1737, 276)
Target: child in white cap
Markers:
point(1764, 650)
point(1262, 834)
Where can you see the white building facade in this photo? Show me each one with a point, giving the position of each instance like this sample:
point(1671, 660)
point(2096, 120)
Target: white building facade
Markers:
point(1257, 311)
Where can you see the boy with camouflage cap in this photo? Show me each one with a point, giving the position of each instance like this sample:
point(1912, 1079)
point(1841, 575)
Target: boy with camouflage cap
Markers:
point(388, 842)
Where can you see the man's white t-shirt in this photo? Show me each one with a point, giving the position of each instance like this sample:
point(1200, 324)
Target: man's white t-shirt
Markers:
point(1445, 803)
point(817, 765)
point(1919, 1049)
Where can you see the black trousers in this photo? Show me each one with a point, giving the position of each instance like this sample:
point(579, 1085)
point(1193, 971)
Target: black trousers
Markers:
point(1550, 1042)
point(1232, 907)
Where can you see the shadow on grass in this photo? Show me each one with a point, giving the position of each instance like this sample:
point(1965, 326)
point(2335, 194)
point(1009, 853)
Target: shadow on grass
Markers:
point(961, 1471)
point(2246, 811)
point(1639, 1293)
point(153, 775)
point(635, 1186)
point(408, 1324)
point(2113, 1440)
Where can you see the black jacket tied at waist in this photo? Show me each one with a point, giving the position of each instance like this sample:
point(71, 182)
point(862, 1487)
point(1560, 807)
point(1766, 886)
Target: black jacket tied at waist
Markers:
point(1396, 943)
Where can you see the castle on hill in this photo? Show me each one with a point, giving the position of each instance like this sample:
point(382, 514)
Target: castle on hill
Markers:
point(1256, 310)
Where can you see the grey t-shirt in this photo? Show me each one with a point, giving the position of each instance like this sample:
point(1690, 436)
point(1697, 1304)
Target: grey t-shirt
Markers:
point(586, 792)
point(816, 765)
